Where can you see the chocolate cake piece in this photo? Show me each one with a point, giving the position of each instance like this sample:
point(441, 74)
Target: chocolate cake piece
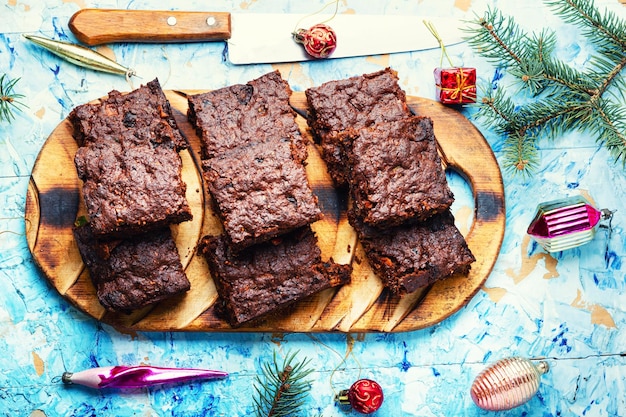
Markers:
point(260, 191)
point(263, 280)
point(141, 115)
point(236, 115)
point(396, 174)
point(352, 103)
point(407, 258)
point(131, 189)
point(128, 162)
point(132, 273)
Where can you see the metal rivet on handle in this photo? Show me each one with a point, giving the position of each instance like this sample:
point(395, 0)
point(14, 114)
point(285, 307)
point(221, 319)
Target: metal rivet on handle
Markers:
point(171, 21)
point(210, 21)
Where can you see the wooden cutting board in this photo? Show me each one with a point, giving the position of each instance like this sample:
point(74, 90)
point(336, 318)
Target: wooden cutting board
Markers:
point(54, 201)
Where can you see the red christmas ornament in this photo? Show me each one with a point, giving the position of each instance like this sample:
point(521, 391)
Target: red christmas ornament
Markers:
point(364, 396)
point(319, 40)
point(456, 85)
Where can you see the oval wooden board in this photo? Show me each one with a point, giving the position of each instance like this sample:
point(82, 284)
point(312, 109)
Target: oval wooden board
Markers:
point(54, 201)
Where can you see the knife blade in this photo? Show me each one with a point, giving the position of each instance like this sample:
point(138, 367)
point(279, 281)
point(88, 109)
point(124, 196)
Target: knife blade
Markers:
point(255, 38)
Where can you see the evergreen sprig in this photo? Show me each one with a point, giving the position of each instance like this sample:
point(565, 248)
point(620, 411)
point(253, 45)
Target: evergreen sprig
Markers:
point(284, 387)
point(559, 98)
point(9, 99)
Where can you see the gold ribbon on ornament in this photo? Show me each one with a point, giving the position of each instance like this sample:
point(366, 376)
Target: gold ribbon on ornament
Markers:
point(462, 85)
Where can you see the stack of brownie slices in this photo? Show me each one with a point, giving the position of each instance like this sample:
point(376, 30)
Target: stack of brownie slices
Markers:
point(387, 159)
point(133, 191)
point(253, 162)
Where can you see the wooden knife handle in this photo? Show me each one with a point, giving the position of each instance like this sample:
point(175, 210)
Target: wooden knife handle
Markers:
point(98, 26)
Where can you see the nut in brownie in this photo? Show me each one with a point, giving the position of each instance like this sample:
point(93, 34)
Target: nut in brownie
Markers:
point(264, 279)
point(396, 174)
point(132, 273)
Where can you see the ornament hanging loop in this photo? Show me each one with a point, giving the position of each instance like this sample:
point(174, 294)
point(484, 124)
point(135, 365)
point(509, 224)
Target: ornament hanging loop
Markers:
point(607, 214)
point(429, 25)
point(66, 378)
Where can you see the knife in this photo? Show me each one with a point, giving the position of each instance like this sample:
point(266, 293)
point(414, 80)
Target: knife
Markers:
point(262, 38)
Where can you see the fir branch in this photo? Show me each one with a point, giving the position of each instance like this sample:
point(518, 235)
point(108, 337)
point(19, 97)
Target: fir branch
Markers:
point(9, 100)
point(498, 38)
point(553, 118)
point(611, 128)
point(600, 28)
point(498, 111)
point(531, 71)
point(563, 98)
point(558, 73)
point(520, 154)
point(284, 388)
point(611, 76)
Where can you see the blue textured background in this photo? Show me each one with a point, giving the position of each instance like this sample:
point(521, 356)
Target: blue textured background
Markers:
point(567, 307)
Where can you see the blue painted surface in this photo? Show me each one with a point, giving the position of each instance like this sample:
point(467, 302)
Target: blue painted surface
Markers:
point(567, 307)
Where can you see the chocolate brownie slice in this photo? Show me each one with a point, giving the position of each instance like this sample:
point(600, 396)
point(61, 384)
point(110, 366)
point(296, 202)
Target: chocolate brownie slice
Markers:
point(128, 162)
point(141, 115)
point(233, 116)
point(260, 191)
point(132, 273)
point(396, 174)
point(407, 258)
point(131, 189)
point(352, 103)
point(265, 279)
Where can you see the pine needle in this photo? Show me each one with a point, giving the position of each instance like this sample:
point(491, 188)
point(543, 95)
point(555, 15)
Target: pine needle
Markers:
point(599, 27)
point(9, 100)
point(284, 388)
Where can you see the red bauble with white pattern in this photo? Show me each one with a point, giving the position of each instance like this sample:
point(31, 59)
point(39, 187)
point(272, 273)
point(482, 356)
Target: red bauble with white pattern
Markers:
point(364, 396)
point(319, 41)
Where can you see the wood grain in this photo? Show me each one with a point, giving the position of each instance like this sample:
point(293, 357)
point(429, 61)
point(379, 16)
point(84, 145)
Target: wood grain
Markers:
point(54, 201)
point(100, 26)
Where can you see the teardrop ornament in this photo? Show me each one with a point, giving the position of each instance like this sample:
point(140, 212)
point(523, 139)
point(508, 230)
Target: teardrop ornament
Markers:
point(81, 56)
point(136, 376)
point(507, 384)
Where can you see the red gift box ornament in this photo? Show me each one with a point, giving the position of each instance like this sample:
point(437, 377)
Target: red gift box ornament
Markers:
point(454, 85)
